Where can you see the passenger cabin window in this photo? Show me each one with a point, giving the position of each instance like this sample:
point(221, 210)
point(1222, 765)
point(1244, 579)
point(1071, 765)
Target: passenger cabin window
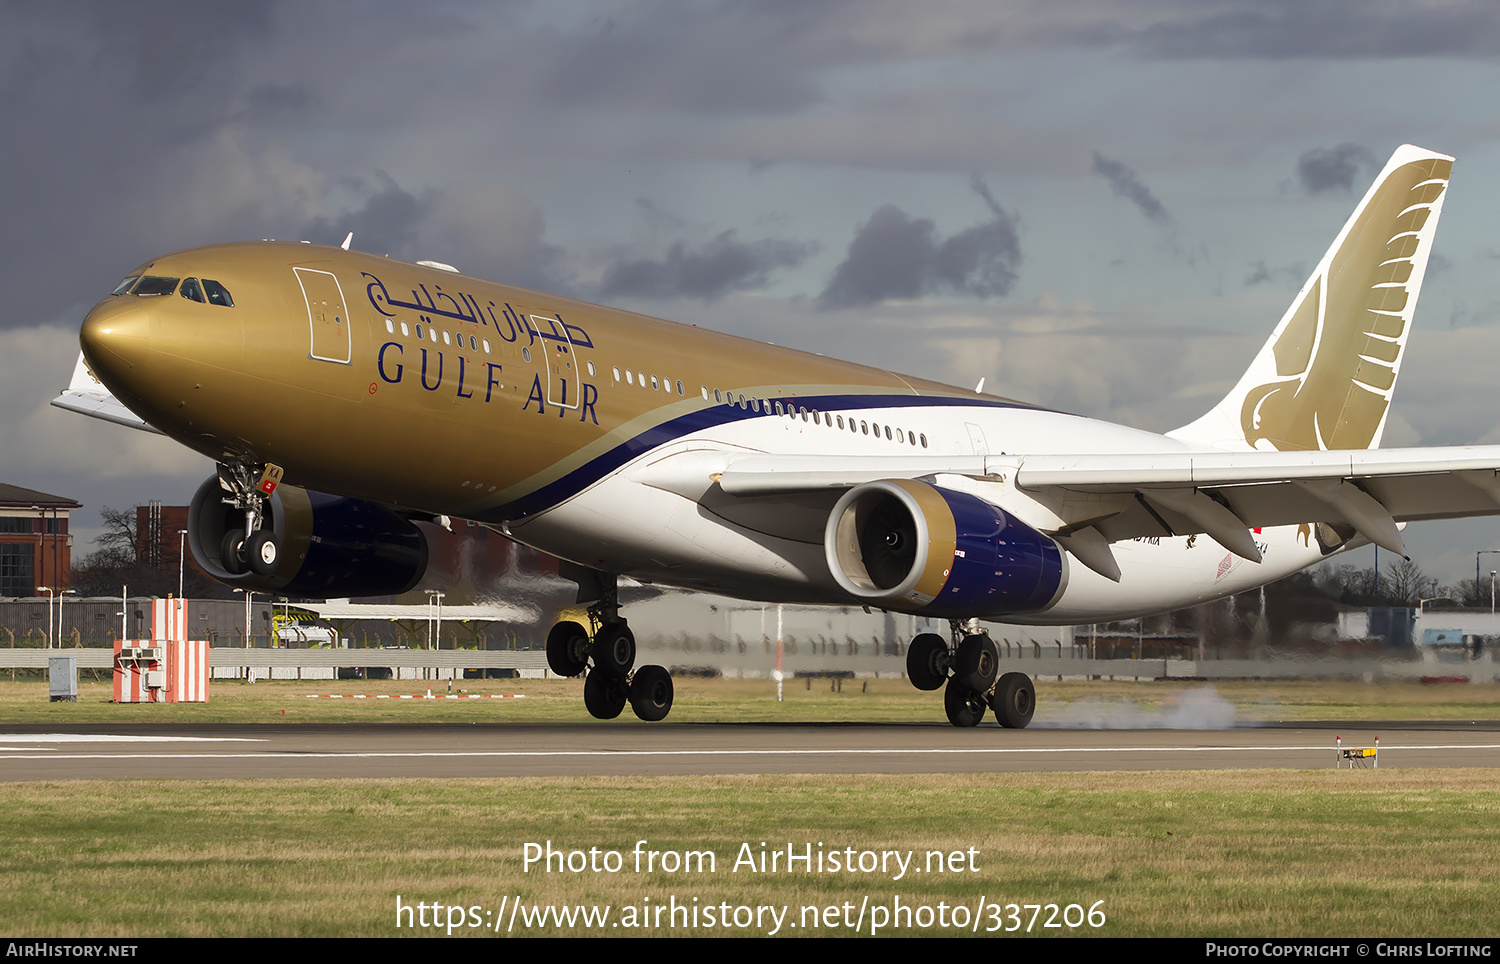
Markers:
point(152, 286)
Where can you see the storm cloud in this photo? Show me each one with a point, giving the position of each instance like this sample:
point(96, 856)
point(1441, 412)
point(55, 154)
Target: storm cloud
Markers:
point(1324, 169)
point(708, 271)
point(896, 256)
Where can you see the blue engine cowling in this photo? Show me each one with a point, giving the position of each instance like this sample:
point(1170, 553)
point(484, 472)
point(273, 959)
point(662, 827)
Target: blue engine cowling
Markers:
point(914, 547)
point(330, 546)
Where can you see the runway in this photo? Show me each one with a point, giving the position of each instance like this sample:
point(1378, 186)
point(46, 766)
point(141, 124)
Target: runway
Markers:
point(305, 751)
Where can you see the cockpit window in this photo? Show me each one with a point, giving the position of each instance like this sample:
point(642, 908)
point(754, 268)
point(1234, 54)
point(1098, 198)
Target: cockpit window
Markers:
point(124, 286)
point(153, 285)
point(217, 294)
point(191, 290)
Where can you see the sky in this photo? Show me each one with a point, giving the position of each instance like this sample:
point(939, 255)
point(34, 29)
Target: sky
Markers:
point(1101, 207)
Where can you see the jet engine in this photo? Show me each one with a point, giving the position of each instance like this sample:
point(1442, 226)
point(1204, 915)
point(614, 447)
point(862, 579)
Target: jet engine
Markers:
point(915, 547)
point(327, 546)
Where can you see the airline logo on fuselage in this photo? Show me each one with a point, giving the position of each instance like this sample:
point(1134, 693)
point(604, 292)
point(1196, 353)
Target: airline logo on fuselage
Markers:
point(479, 378)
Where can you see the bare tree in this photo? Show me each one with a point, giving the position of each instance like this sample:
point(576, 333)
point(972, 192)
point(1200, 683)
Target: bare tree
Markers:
point(1406, 584)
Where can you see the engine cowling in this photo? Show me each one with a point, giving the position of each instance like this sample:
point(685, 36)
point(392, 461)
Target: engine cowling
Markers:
point(908, 545)
point(330, 546)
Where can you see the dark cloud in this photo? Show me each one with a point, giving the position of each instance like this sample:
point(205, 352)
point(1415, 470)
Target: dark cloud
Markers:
point(389, 223)
point(270, 100)
point(707, 271)
point(1125, 183)
point(896, 256)
point(168, 47)
point(1325, 169)
point(657, 217)
point(1279, 29)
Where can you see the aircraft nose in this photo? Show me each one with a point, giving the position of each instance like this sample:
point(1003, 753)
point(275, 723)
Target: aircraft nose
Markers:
point(114, 338)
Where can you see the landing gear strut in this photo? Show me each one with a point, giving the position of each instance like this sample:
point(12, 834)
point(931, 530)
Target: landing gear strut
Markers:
point(969, 667)
point(251, 548)
point(609, 645)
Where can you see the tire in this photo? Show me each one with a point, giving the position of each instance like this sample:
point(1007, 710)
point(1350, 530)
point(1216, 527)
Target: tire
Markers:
point(232, 552)
point(977, 662)
point(604, 694)
point(927, 661)
point(567, 649)
point(263, 552)
point(614, 649)
point(1014, 700)
point(964, 706)
point(651, 693)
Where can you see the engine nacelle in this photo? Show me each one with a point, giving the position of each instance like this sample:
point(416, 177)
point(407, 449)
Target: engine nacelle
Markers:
point(907, 545)
point(330, 546)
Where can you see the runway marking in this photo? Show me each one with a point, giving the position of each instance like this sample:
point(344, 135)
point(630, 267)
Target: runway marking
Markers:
point(616, 754)
point(417, 696)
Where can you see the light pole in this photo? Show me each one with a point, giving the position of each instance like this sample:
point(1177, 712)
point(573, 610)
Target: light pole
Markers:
point(248, 594)
point(181, 545)
point(49, 592)
point(1476, 565)
point(436, 597)
point(60, 597)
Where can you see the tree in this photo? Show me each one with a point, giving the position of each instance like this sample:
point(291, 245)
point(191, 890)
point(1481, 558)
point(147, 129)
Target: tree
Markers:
point(1406, 585)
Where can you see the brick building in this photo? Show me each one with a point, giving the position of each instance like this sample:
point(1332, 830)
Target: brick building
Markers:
point(35, 548)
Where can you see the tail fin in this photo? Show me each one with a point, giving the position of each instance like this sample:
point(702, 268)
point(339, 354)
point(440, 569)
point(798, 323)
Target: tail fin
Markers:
point(1324, 379)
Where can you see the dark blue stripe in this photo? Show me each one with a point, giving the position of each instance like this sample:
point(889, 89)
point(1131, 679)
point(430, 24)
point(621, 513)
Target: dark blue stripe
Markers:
point(722, 414)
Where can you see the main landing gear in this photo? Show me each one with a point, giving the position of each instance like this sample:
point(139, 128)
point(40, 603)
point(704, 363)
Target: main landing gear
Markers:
point(970, 670)
point(610, 647)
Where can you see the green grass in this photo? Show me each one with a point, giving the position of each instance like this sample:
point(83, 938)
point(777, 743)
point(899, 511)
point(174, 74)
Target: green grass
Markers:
point(1286, 853)
point(733, 700)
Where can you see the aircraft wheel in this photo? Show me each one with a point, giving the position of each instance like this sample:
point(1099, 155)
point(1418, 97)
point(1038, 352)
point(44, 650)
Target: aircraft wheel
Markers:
point(604, 694)
point(977, 662)
point(263, 552)
point(1014, 700)
point(614, 649)
point(927, 661)
point(651, 693)
point(568, 649)
point(965, 706)
point(232, 552)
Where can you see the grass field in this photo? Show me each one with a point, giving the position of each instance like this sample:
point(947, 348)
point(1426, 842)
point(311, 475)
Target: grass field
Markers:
point(1400, 853)
point(1089, 703)
point(1389, 852)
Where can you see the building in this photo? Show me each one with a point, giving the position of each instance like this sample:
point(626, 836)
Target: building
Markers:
point(35, 548)
point(161, 539)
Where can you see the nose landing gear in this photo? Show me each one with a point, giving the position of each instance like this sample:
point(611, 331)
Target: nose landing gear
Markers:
point(251, 548)
point(610, 684)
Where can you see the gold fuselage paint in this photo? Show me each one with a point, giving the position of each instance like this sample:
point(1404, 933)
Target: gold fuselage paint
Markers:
point(369, 377)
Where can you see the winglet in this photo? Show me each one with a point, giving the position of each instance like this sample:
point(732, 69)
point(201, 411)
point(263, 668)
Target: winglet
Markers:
point(1324, 379)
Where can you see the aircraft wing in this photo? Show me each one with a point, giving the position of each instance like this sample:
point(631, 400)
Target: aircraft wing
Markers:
point(1225, 495)
point(1369, 490)
point(86, 395)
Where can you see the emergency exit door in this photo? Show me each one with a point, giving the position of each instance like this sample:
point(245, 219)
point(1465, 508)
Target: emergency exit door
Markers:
point(327, 315)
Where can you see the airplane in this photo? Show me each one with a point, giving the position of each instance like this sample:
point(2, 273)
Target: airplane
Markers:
point(347, 396)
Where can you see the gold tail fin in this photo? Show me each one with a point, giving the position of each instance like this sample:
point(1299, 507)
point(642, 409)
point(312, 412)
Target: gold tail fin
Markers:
point(1324, 379)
